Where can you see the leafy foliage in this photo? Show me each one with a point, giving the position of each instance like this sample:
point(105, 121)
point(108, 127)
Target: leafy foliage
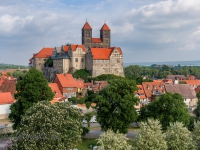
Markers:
point(167, 108)
point(73, 100)
point(89, 98)
point(47, 126)
point(113, 141)
point(18, 73)
point(150, 136)
point(106, 77)
point(31, 89)
point(88, 117)
point(196, 133)
point(179, 137)
point(49, 63)
point(82, 73)
point(115, 105)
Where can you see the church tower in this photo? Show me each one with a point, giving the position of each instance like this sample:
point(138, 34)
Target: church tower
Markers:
point(105, 35)
point(87, 35)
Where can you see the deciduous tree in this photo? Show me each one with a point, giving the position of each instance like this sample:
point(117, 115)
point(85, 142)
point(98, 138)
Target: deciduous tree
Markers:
point(150, 136)
point(167, 108)
point(179, 137)
point(113, 141)
point(49, 126)
point(115, 105)
point(31, 89)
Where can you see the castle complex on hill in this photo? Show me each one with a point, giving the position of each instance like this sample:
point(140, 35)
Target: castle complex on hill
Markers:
point(94, 55)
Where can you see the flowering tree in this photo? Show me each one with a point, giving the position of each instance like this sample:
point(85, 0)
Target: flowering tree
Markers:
point(150, 136)
point(46, 126)
point(110, 140)
point(179, 137)
point(196, 133)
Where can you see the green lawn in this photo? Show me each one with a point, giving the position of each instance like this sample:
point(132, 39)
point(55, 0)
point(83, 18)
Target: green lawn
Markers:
point(85, 145)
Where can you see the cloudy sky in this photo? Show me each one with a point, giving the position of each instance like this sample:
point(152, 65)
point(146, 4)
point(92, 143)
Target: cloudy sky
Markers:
point(146, 30)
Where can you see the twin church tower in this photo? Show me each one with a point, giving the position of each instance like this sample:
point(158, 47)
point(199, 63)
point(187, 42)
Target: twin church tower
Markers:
point(89, 42)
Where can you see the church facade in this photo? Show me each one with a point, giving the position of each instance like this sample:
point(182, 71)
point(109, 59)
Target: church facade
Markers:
point(94, 55)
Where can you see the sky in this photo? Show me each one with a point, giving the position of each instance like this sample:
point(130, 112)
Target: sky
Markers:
point(146, 30)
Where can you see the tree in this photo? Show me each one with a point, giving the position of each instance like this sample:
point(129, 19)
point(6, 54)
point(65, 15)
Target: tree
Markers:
point(196, 133)
point(31, 89)
point(197, 110)
point(115, 105)
point(82, 73)
point(49, 63)
point(18, 74)
point(106, 77)
point(89, 98)
point(179, 137)
point(47, 126)
point(167, 108)
point(182, 82)
point(110, 140)
point(88, 117)
point(150, 136)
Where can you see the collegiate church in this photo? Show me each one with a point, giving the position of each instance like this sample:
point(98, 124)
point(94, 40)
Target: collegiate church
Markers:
point(94, 55)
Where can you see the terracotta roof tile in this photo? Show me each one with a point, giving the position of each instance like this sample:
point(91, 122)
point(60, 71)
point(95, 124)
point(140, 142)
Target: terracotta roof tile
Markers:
point(6, 98)
point(105, 27)
point(192, 82)
point(79, 84)
point(8, 86)
point(141, 92)
point(65, 48)
point(66, 80)
point(151, 87)
point(96, 40)
point(44, 53)
point(87, 26)
point(75, 46)
point(55, 90)
point(103, 53)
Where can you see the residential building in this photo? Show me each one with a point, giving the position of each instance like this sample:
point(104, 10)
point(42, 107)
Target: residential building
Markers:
point(142, 96)
point(186, 91)
point(153, 89)
point(6, 100)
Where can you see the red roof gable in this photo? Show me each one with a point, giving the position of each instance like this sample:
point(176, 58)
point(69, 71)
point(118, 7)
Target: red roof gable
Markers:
point(79, 84)
point(55, 90)
point(103, 53)
point(8, 86)
point(44, 53)
point(66, 80)
point(105, 27)
point(87, 26)
point(96, 40)
point(6, 98)
point(75, 46)
point(65, 48)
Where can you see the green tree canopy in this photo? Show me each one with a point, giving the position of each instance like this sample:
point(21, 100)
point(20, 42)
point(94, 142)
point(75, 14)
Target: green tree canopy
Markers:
point(31, 89)
point(196, 133)
point(46, 127)
point(167, 108)
point(106, 77)
point(179, 137)
point(115, 105)
point(150, 137)
point(49, 63)
point(82, 73)
point(113, 141)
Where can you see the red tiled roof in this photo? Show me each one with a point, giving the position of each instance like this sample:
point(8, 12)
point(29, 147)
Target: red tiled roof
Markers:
point(105, 27)
point(79, 84)
point(150, 86)
point(8, 86)
point(44, 53)
point(192, 82)
point(65, 48)
point(55, 90)
point(87, 26)
point(75, 46)
point(66, 80)
point(96, 40)
point(103, 53)
point(141, 92)
point(6, 98)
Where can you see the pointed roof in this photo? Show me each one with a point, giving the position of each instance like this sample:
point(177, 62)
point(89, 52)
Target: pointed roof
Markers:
point(105, 27)
point(87, 26)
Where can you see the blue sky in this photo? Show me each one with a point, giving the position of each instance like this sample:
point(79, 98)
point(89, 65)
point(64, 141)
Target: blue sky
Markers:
point(146, 30)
